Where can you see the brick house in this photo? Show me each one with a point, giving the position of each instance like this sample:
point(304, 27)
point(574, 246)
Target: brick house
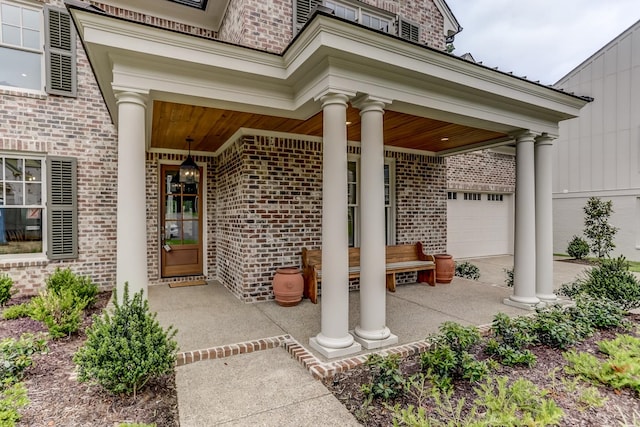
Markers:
point(272, 100)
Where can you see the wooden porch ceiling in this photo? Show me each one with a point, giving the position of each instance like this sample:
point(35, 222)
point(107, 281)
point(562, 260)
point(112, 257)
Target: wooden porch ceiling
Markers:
point(210, 128)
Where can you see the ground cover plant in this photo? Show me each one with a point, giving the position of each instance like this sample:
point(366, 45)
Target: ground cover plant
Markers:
point(49, 393)
point(467, 270)
point(530, 377)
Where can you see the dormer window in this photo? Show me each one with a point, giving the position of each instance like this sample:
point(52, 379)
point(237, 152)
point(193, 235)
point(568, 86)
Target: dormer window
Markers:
point(198, 4)
point(370, 17)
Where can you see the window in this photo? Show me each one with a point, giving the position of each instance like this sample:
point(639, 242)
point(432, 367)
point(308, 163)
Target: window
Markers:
point(472, 196)
point(351, 11)
point(452, 195)
point(20, 46)
point(22, 206)
point(495, 197)
point(353, 202)
point(22, 37)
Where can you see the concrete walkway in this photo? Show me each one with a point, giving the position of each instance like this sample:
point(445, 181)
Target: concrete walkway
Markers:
point(267, 386)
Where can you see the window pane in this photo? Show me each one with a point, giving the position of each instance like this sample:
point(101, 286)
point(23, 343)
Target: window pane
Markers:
point(350, 14)
point(13, 170)
point(351, 172)
point(190, 232)
point(10, 14)
point(11, 35)
point(352, 200)
point(351, 225)
point(33, 170)
point(171, 230)
point(31, 39)
point(20, 69)
point(31, 19)
point(20, 230)
point(34, 194)
point(14, 193)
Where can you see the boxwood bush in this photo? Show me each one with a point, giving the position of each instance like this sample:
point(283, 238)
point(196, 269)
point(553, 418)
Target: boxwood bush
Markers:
point(126, 348)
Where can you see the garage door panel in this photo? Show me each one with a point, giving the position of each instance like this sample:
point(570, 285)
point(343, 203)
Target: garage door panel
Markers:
point(479, 227)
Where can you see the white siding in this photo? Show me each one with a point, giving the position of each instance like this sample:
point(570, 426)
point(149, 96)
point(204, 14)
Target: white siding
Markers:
point(599, 153)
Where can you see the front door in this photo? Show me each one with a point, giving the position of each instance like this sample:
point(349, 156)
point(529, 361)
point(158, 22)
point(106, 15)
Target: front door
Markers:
point(181, 225)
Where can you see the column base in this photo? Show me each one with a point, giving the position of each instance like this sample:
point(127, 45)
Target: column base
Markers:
point(547, 297)
point(370, 344)
point(522, 304)
point(331, 353)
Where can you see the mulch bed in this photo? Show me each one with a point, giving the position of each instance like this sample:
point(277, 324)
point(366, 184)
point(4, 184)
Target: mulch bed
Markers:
point(546, 373)
point(58, 399)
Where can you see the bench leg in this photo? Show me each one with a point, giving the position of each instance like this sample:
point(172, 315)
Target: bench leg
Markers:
point(391, 282)
point(427, 276)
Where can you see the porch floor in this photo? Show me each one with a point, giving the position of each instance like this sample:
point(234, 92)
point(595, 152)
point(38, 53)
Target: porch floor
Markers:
point(210, 316)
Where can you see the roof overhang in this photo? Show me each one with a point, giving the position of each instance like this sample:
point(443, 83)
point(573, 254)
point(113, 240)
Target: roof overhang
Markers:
point(329, 54)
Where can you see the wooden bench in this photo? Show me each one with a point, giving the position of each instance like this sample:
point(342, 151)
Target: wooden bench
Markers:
point(399, 259)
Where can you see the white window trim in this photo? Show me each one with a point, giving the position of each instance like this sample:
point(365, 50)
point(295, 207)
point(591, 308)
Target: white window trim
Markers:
point(36, 7)
point(391, 220)
point(44, 186)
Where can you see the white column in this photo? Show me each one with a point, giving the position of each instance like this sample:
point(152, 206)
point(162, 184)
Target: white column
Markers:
point(544, 218)
point(372, 331)
point(131, 233)
point(334, 339)
point(524, 277)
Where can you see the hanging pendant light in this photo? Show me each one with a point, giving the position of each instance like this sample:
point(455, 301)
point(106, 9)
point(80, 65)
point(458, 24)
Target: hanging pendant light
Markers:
point(189, 171)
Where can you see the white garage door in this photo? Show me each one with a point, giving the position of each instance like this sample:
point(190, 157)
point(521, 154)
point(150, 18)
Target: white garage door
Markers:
point(479, 224)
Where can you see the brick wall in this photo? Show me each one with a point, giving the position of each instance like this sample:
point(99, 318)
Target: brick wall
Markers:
point(486, 171)
point(268, 24)
point(78, 127)
point(269, 206)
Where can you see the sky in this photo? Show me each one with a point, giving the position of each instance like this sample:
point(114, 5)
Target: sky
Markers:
point(540, 39)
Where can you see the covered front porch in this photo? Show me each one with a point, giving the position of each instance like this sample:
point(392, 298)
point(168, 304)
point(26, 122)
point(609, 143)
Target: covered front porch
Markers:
point(338, 90)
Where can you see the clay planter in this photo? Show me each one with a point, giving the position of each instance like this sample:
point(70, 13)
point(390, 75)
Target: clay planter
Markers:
point(445, 268)
point(288, 285)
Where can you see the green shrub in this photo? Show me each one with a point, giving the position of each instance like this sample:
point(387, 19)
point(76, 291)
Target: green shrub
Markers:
point(388, 381)
point(127, 348)
point(554, 327)
point(611, 280)
point(60, 311)
point(449, 359)
point(15, 356)
point(12, 399)
point(597, 313)
point(6, 287)
point(578, 248)
point(467, 270)
point(81, 286)
point(510, 339)
point(17, 311)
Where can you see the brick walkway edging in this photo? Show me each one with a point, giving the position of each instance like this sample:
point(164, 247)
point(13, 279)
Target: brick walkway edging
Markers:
point(318, 369)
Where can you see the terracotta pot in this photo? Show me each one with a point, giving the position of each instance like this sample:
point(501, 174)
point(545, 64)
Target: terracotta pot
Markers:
point(445, 268)
point(288, 285)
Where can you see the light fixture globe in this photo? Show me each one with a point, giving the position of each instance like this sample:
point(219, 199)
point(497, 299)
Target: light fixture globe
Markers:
point(189, 170)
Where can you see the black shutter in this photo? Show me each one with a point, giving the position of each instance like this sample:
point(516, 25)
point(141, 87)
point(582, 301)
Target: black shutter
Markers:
point(409, 31)
point(62, 211)
point(60, 52)
point(303, 9)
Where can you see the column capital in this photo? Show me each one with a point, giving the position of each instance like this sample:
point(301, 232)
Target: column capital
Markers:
point(367, 102)
point(133, 96)
point(545, 139)
point(526, 135)
point(334, 96)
